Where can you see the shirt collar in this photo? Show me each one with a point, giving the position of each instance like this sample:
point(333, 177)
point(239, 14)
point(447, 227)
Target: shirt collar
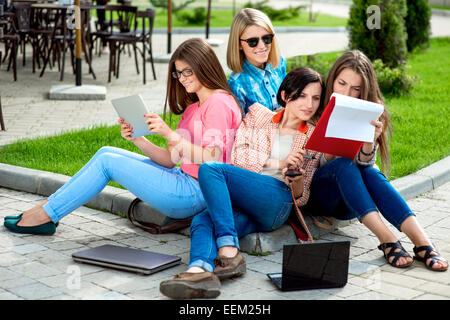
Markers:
point(256, 72)
point(303, 127)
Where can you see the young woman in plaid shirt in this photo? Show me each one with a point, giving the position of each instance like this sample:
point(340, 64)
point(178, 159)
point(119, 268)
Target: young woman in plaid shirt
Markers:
point(254, 193)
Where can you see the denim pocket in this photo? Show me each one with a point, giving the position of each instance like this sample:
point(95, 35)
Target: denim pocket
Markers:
point(282, 215)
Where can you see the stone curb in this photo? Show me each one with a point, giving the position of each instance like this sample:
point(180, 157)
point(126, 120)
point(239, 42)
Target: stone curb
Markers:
point(117, 201)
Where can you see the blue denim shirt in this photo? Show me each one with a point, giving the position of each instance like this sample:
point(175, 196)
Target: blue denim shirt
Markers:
point(257, 85)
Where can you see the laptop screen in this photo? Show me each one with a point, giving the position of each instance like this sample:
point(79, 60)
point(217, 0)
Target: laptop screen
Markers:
point(315, 265)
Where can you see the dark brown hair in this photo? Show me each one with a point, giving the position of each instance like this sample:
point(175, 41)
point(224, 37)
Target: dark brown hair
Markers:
point(294, 83)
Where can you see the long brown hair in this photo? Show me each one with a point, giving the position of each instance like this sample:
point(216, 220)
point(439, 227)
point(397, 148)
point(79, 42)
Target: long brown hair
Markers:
point(369, 91)
point(199, 55)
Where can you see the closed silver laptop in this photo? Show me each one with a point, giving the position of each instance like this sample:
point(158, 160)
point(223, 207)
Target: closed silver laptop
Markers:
point(128, 259)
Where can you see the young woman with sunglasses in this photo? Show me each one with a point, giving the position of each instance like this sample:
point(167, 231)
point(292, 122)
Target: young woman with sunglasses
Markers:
point(196, 88)
point(253, 56)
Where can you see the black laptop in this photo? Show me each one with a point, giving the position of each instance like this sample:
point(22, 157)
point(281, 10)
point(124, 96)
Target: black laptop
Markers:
point(128, 259)
point(316, 265)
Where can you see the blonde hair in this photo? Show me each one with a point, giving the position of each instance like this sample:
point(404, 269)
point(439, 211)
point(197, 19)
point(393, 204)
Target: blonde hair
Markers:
point(199, 55)
point(245, 18)
point(369, 91)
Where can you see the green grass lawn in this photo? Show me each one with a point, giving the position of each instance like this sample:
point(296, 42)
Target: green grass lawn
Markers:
point(223, 18)
point(420, 137)
point(440, 7)
point(421, 119)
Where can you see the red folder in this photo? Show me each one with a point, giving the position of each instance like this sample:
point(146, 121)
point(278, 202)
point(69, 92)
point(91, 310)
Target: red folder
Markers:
point(336, 146)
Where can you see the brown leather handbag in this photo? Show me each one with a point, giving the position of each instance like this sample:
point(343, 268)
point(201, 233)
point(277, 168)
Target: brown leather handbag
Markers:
point(153, 228)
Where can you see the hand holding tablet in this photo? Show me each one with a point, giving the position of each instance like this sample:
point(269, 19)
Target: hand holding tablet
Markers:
point(132, 110)
point(156, 124)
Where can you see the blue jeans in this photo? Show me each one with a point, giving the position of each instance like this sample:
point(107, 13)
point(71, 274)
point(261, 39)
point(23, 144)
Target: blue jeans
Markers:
point(345, 191)
point(171, 191)
point(238, 202)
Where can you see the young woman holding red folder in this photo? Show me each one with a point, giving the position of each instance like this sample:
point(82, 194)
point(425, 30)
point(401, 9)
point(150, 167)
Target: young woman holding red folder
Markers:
point(346, 189)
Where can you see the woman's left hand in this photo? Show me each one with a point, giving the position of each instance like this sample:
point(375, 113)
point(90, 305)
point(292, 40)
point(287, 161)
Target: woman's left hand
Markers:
point(378, 129)
point(368, 146)
point(288, 180)
point(157, 125)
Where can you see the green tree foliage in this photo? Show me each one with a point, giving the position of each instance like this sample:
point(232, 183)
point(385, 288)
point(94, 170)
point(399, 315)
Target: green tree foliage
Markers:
point(418, 25)
point(276, 14)
point(196, 17)
point(175, 8)
point(387, 41)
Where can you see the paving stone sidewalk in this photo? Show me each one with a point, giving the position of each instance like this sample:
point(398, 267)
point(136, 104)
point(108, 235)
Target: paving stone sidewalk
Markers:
point(41, 267)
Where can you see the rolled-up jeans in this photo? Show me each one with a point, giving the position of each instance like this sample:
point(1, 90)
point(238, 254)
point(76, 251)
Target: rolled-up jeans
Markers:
point(343, 190)
point(238, 202)
point(170, 191)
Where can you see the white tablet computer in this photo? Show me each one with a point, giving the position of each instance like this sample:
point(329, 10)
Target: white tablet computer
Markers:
point(132, 110)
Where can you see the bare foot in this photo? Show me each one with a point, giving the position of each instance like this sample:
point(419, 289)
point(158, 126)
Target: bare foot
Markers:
point(438, 264)
point(401, 261)
point(34, 216)
point(227, 251)
point(195, 270)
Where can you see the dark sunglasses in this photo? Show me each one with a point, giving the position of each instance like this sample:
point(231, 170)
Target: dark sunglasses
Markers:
point(253, 42)
point(185, 72)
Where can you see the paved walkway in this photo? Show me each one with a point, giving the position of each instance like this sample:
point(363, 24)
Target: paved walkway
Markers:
point(37, 267)
point(41, 267)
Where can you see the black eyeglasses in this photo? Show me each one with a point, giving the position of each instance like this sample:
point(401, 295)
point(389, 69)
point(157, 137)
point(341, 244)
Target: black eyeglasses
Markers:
point(253, 42)
point(186, 72)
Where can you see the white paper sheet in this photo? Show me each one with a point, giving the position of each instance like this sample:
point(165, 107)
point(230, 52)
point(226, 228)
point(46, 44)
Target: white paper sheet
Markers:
point(351, 119)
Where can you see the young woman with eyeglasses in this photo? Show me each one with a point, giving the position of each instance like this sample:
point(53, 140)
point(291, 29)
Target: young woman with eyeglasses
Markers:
point(196, 88)
point(253, 56)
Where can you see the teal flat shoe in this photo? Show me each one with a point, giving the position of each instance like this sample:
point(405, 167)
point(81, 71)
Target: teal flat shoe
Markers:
point(20, 217)
point(13, 217)
point(44, 229)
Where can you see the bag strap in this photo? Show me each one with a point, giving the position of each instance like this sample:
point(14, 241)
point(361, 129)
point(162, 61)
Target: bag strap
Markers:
point(149, 227)
point(154, 228)
point(300, 217)
point(321, 224)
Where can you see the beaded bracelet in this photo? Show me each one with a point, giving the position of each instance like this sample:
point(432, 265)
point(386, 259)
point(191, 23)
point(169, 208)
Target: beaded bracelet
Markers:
point(370, 153)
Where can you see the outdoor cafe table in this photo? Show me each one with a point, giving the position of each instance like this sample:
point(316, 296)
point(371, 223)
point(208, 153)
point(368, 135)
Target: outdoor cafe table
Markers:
point(60, 15)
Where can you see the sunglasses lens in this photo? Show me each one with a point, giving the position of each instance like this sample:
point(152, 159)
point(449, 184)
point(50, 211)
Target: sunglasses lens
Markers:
point(252, 42)
point(267, 39)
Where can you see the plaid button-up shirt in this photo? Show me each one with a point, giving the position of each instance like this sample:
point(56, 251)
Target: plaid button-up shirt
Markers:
point(254, 140)
point(257, 85)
